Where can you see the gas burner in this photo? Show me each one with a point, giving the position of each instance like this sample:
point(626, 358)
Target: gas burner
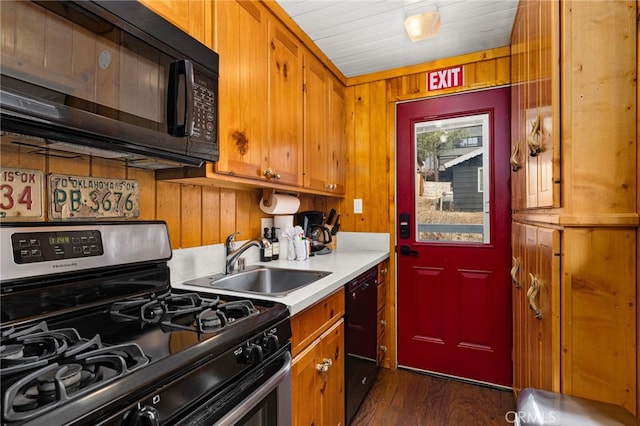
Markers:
point(54, 384)
point(186, 311)
point(69, 375)
point(34, 347)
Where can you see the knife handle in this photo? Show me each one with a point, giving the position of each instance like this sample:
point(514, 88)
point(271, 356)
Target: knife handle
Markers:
point(332, 213)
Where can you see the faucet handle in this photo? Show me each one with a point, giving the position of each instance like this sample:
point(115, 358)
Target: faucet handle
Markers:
point(229, 244)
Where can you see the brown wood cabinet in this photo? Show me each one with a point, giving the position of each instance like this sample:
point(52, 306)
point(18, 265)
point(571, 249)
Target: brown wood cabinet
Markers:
point(193, 16)
point(383, 321)
point(285, 106)
point(536, 307)
point(318, 363)
point(324, 129)
point(242, 127)
point(574, 195)
point(260, 95)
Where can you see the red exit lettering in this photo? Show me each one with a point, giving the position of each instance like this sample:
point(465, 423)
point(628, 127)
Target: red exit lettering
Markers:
point(445, 79)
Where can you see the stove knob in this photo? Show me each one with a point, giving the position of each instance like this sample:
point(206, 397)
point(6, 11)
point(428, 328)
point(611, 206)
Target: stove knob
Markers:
point(270, 343)
point(144, 416)
point(253, 354)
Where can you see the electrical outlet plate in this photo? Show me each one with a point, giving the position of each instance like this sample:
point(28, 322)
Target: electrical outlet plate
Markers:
point(357, 205)
point(265, 222)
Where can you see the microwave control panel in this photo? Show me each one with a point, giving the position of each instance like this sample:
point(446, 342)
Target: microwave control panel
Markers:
point(204, 108)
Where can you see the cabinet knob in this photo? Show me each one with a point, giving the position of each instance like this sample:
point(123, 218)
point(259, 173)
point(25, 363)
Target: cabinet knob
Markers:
point(383, 323)
point(383, 348)
point(324, 367)
point(271, 174)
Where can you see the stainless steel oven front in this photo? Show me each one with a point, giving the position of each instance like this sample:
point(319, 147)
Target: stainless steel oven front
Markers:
point(262, 397)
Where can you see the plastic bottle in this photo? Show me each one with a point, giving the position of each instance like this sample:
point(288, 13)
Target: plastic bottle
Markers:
point(275, 244)
point(266, 252)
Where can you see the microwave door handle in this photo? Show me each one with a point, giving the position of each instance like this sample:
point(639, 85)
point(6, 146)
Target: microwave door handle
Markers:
point(188, 87)
point(177, 70)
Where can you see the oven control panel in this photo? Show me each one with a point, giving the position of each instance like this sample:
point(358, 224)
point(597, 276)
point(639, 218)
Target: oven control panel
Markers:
point(31, 247)
point(35, 249)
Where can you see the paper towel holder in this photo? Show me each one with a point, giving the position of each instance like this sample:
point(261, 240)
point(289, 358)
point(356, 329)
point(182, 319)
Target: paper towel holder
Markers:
point(268, 193)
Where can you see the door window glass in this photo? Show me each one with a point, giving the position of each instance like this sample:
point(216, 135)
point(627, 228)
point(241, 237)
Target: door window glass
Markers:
point(452, 191)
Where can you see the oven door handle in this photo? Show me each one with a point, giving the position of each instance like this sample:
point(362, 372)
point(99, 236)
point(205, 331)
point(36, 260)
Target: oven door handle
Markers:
point(245, 407)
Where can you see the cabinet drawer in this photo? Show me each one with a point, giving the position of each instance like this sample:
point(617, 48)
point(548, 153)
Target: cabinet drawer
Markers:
point(313, 321)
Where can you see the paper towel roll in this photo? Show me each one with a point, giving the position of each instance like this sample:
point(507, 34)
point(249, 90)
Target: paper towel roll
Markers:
point(281, 204)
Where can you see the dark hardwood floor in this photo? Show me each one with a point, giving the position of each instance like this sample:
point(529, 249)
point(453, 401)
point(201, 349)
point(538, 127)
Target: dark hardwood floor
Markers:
point(402, 397)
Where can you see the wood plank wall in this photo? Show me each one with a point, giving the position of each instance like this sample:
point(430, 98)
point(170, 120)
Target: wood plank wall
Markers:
point(196, 215)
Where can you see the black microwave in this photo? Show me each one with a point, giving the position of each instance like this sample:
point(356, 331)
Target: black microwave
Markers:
point(107, 78)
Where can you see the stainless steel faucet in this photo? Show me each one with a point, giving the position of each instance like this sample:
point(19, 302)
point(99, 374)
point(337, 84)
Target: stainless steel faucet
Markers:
point(230, 244)
point(233, 255)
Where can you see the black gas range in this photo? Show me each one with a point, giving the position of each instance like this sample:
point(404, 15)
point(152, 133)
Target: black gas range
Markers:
point(92, 333)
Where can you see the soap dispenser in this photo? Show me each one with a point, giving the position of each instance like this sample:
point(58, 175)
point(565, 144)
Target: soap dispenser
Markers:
point(266, 252)
point(275, 244)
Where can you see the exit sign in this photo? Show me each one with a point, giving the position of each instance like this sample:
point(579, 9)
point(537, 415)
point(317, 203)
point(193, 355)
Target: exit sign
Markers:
point(445, 78)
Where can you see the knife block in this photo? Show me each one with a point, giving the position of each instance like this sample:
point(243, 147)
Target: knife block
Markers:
point(334, 242)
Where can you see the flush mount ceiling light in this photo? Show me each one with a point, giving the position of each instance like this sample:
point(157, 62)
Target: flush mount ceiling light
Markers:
point(423, 25)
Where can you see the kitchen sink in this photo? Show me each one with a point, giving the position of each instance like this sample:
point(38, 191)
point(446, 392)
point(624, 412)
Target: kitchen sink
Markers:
point(263, 280)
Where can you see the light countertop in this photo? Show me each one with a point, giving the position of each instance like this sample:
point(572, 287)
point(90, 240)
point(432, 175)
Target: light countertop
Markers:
point(347, 262)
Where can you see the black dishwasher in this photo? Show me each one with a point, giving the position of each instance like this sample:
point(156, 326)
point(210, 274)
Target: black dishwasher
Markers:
point(361, 334)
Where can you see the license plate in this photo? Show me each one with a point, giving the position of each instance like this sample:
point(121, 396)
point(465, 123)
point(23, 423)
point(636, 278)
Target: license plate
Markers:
point(21, 194)
point(81, 197)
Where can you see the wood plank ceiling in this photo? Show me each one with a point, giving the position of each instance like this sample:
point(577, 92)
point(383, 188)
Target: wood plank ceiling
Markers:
point(366, 36)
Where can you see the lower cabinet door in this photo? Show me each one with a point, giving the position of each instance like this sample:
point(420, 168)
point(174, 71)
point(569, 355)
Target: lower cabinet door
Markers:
point(318, 380)
point(536, 307)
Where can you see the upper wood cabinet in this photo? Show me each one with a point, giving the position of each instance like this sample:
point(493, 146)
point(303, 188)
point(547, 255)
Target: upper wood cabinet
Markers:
point(260, 127)
point(324, 129)
point(260, 95)
point(535, 146)
point(284, 157)
point(337, 137)
point(194, 17)
point(242, 33)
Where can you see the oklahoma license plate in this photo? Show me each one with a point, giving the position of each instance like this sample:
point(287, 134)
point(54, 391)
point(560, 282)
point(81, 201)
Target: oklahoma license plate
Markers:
point(21, 194)
point(80, 197)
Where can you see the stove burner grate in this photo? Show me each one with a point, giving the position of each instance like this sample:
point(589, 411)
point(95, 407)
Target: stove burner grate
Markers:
point(186, 311)
point(37, 346)
point(52, 385)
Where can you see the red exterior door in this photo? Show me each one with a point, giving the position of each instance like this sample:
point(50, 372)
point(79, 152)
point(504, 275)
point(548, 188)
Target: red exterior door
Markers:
point(454, 305)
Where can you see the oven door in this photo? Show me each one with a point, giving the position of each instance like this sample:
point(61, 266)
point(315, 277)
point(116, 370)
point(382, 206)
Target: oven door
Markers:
point(262, 397)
